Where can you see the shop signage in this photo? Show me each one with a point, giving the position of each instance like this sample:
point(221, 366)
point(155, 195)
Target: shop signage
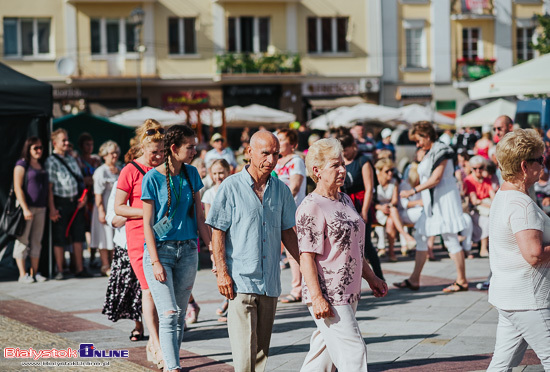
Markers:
point(331, 89)
point(177, 100)
point(74, 93)
point(252, 90)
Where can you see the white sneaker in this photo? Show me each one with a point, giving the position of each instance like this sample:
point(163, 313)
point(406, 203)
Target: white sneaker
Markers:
point(39, 278)
point(26, 279)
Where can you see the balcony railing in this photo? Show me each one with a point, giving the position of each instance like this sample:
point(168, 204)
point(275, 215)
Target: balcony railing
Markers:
point(471, 70)
point(472, 8)
point(258, 63)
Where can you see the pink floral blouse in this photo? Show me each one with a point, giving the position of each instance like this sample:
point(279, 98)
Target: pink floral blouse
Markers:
point(336, 233)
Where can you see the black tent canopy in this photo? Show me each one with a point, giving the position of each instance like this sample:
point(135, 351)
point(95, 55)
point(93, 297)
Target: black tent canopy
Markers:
point(25, 110)
point(22, 95)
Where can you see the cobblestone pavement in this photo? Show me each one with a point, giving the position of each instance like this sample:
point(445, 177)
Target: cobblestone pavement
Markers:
point(425, 330)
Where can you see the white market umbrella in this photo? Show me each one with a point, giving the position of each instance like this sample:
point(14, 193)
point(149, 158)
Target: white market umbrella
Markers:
point(252, 115)
point(134, 118)
point(415, 112)
point(531, 77)
point(487, 114)
point(347, 116)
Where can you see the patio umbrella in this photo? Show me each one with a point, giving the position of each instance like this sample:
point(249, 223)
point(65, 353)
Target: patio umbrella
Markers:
point(486, 115)
point(531, 77)
point(134, 118)
point(347, 116)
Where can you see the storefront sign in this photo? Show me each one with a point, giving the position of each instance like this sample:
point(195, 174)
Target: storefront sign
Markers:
point(251, 90)
point(177, 100)
point(331, 89)
point(74, 93)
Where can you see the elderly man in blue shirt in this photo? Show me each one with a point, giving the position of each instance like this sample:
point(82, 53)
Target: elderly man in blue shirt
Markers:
point(250, 216)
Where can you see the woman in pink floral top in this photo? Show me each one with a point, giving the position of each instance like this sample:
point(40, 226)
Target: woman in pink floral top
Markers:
point(331, 240)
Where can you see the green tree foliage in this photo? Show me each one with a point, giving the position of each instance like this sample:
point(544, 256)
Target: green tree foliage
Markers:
point(543, 31)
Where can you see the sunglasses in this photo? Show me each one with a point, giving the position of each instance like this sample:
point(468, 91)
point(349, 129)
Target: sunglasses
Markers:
point(478, 168)
point(37, 148)
point(152, 132)
point(539, 160)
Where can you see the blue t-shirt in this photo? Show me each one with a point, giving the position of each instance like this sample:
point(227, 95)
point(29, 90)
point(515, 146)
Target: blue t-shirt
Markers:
point(154, 188)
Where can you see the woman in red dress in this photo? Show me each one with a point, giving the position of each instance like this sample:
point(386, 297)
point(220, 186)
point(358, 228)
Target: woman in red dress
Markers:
point(128, 204)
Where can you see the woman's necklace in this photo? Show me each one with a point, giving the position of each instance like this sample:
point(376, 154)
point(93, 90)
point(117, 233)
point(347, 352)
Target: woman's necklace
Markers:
point(327, 195)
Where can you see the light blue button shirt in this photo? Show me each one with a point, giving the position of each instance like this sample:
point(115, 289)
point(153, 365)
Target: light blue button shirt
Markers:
point(253, 231)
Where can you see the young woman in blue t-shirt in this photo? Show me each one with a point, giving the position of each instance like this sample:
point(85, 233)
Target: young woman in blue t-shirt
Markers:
point(172, 215)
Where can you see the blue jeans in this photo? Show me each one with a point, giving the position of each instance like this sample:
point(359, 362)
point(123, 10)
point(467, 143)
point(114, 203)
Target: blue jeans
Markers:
point(179, 259)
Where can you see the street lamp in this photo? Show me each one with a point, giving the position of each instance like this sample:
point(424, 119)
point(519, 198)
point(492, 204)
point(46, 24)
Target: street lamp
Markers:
point(136, 16)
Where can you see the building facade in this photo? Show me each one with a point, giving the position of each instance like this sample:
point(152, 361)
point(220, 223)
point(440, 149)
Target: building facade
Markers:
point(444, 45)
point(294, 55)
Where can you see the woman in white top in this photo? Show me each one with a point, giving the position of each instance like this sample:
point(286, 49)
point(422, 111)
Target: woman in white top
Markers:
point(519, 238)
point(386, 207)
point(291, 169)
point(104, 178)
point(442, 208)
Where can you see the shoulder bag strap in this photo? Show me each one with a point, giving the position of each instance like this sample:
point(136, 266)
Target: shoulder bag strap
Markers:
point(76, 177)
point(138, 167)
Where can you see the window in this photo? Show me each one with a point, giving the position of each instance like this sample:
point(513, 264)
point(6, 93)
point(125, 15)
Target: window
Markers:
point(112, 36)
point(524, 49)
point(27, 37)
point(181, 36)
point(327, 34)
point(415, 43)
point(471, 43)
point(248, 34)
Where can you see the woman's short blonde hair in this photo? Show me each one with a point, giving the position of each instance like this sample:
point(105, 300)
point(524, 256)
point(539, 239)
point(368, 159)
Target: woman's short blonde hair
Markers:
point(414, 178)
point(384, 163)
point(107, 147)
point(515, 147)
point(141, 132)
point(320, 153)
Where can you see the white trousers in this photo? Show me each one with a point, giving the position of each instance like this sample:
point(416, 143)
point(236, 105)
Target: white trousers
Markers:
point(337, 343)
point(450, 240)
point(516, 330)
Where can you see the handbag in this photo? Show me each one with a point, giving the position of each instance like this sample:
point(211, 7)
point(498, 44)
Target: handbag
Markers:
point(12, 221)
point(79, 180)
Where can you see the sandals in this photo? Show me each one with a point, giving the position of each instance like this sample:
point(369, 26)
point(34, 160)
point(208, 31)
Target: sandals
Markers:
point(455, 287)
point(155, 356)
point(135, 335)
point(406, 284)
point(290, 299)
point(222, 310)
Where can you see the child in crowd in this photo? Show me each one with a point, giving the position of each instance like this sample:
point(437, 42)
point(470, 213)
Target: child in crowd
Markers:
point(219, 171)
point(171, 219)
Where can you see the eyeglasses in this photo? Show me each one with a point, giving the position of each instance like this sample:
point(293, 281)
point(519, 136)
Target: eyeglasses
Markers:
point(539, 160)
point(478, 168)
point(37, 148)
point(153, 131)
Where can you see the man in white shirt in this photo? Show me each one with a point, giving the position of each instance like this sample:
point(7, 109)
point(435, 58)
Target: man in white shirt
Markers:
point(219, 151)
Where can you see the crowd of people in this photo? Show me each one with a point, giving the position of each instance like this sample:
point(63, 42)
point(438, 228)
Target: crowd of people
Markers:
point(270, 206)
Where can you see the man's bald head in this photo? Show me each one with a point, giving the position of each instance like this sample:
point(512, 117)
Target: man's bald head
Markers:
point(503, 125)
point(263, 152)
point(261, 137)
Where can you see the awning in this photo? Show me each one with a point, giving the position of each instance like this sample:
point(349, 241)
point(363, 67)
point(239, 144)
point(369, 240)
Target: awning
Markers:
point(413, 92)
